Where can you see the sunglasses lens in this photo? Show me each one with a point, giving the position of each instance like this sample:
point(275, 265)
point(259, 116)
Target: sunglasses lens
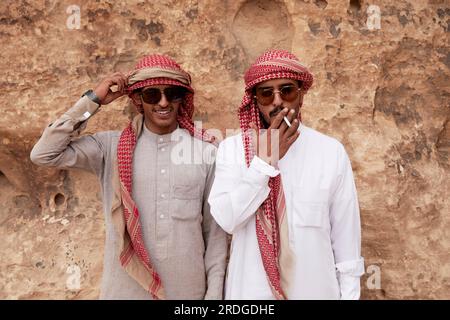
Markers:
point(174, 94)
point(288, 93)
point(264, 95)
point(151, 96)
point(267, 93)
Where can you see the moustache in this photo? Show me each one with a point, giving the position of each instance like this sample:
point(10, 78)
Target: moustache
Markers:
point(275, 111)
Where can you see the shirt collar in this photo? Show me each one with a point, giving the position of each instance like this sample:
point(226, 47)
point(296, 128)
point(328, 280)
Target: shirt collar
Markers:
point(158, 138)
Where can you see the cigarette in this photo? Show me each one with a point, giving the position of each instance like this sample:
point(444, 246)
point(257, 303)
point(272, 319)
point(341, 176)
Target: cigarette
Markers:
point(287, 121)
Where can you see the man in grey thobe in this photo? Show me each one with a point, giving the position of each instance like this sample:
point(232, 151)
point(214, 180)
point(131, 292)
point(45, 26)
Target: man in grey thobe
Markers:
point(185, 245)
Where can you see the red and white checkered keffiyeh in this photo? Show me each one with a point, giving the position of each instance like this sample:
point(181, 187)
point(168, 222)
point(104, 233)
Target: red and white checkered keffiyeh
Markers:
point(273, 64)
point(134, 256)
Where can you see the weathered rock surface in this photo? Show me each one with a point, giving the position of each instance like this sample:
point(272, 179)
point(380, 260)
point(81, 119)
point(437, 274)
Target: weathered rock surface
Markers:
point(383, 92)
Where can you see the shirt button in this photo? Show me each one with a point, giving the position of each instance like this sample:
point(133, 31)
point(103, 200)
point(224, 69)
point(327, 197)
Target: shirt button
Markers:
point(161, 139)
point(161, 216)
point(163, 171)
point(163, 196)
point(162, 149)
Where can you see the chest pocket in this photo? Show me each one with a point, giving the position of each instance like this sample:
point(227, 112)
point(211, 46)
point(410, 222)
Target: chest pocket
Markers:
point(186, 202)
point(310, 207)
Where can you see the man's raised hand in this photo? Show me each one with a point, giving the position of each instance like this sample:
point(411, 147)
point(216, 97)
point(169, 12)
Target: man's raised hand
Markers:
point(272, 144)
point(103, 89)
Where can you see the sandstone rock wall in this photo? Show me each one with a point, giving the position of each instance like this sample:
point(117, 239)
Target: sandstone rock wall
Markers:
point(384, 92)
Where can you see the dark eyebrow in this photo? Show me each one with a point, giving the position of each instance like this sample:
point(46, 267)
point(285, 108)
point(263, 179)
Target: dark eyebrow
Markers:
point(287, 84)
point(281, 85)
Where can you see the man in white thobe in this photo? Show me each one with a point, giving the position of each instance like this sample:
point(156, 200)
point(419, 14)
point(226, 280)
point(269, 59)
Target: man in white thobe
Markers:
point(292, 211)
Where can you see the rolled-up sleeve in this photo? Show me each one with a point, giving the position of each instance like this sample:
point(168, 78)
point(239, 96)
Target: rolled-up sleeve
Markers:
point(346, 230)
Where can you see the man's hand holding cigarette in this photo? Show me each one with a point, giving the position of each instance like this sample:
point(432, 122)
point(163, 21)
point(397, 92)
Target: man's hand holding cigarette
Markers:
point(273, 143)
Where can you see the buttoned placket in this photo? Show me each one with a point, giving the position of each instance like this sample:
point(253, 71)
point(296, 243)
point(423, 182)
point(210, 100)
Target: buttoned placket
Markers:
point(163, 194)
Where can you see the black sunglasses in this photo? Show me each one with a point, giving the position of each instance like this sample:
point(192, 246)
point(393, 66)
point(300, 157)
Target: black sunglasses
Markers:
point(154, 95)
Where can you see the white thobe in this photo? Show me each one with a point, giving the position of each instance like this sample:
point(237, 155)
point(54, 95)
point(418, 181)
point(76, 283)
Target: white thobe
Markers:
point(322, 213)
